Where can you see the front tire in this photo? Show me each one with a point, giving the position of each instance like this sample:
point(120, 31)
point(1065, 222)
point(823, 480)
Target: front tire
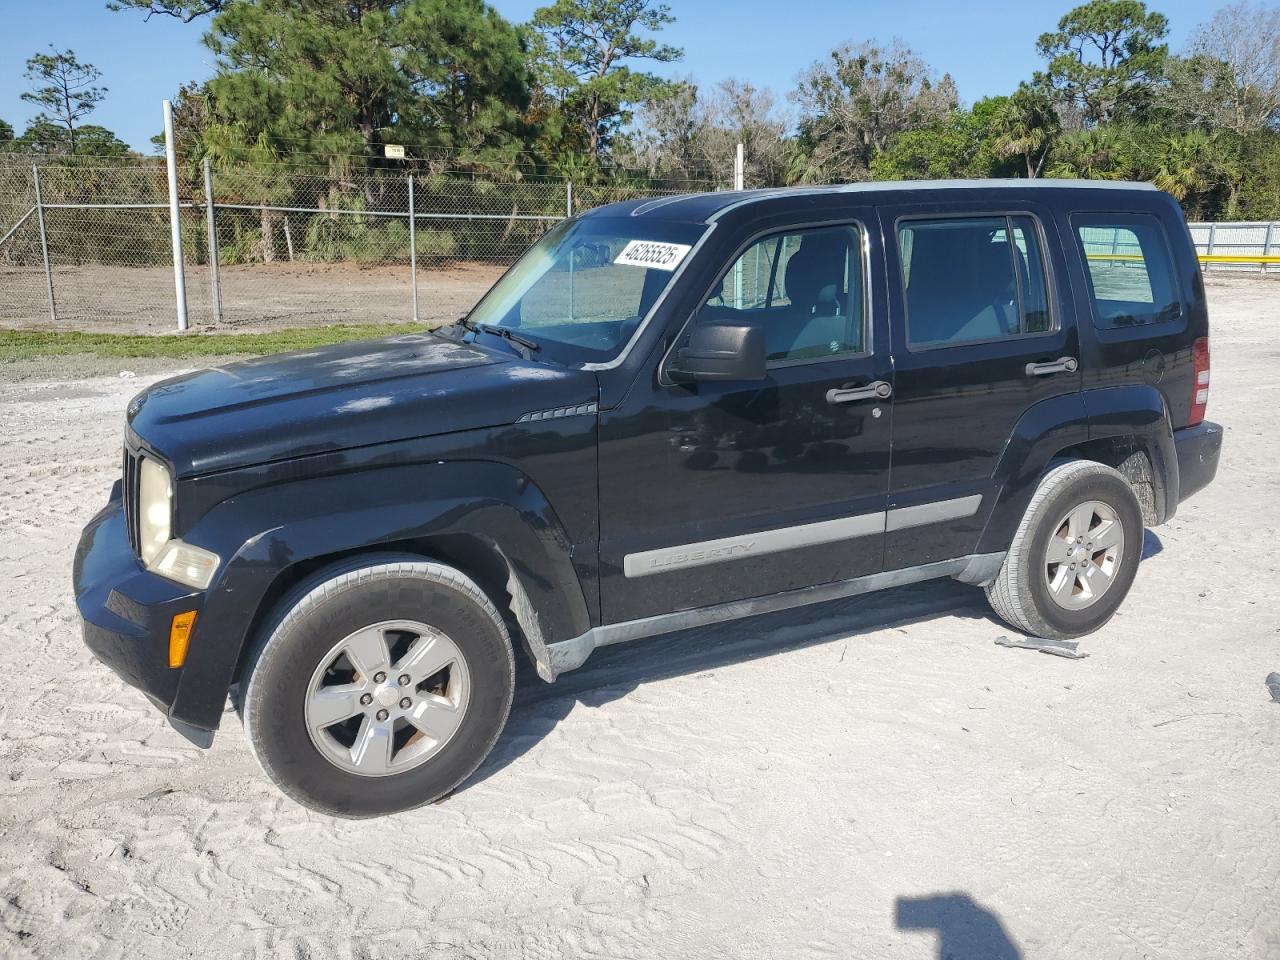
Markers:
point(378, 686)
point(1074, 556)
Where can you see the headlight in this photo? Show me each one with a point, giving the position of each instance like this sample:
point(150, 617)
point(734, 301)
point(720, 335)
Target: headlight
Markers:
point(155, 509)
point(187, 564)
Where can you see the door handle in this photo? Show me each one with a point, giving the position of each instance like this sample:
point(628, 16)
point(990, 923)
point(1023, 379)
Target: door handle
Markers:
point(879, 390)
point(1061, 365)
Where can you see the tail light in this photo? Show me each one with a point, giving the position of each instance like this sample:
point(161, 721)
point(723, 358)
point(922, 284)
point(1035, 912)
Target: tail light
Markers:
point(1200, 381)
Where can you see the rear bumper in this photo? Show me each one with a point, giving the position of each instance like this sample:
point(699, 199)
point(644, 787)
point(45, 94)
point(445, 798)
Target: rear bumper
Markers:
point(126, 612)
point(1198, 450)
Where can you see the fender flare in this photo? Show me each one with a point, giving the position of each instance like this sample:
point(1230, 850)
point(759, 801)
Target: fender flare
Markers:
point(1044, 430)
point(1134, 412)
point(266, 533)
point(1138, 410)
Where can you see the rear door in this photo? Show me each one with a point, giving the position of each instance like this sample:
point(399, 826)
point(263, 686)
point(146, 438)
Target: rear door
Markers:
point(982, 333)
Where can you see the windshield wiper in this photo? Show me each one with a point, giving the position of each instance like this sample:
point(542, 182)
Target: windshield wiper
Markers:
point(530, 346)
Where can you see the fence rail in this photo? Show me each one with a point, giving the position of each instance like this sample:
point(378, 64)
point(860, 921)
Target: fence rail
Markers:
point(1241, 247)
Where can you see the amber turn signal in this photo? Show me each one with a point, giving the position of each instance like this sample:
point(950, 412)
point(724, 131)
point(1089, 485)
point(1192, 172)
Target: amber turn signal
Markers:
point(180, 636)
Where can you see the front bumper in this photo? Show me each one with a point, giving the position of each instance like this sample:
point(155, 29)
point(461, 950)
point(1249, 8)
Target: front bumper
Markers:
point(127, 611)
point(1199, 449)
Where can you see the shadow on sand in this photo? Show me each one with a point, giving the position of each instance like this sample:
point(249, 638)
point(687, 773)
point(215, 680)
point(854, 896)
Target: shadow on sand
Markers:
point(964, 929)
point(613, 672)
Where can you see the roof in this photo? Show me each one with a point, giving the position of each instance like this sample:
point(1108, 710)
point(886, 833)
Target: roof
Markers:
point(708, 207)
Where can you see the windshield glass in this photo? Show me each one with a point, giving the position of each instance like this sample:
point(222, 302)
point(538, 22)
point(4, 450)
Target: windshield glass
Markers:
point(581, 291)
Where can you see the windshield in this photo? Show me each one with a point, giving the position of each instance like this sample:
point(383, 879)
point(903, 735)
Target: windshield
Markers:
point(581, 291)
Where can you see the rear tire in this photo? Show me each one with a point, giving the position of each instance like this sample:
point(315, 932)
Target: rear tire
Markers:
point(1074, 556)
point(418, 657)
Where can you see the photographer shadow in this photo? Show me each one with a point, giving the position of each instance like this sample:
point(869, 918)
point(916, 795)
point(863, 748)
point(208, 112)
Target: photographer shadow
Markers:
point(965, 930)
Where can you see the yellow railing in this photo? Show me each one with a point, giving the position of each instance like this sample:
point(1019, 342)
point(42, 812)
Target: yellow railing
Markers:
point(1202, 257)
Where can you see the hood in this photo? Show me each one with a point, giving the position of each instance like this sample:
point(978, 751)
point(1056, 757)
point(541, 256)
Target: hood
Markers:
point(342, 396)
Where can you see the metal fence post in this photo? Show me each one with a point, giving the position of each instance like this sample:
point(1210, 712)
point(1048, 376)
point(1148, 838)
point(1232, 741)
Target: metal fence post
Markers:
point(215, 282)
point(568, 198)
point(1213, 229)
point(1266, 247)
point(413, 251)
point(175, 224)
point(44, 245)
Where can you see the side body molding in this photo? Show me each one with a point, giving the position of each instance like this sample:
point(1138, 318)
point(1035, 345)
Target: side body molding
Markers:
point(268, 531)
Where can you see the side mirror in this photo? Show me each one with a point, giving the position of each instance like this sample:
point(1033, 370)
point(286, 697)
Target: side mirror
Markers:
point(720, 352)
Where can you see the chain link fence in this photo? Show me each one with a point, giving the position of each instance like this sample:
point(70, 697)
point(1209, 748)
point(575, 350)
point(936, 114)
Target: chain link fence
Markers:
point(85, 244)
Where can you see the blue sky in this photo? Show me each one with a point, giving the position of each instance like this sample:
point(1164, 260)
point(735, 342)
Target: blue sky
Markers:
point(986, 46)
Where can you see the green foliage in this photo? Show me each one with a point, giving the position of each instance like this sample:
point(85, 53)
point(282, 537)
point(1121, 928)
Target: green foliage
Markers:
point(583, 51)
point(333, 77)
point(184, 10)
point(6, 132)
point(962, 145)
point(47, 138)
point(1104, 57)
point(63, 88)
point(1026, 126)
point(18, 345)
point(858, 100)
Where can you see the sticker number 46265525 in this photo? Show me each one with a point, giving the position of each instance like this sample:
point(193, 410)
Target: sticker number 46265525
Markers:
point(652, 254)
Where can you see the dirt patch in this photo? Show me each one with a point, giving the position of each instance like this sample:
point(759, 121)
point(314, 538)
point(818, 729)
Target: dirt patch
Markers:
point(255, 297)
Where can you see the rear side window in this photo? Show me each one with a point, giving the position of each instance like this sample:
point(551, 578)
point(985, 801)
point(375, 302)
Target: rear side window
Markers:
point(971, 279)
point(1130, 269)
point(803, 288)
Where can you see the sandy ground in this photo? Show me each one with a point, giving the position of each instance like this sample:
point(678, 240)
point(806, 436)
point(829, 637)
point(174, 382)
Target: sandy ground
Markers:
point(874, 778)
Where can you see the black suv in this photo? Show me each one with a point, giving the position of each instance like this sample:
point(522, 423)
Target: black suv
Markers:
point(668, 412)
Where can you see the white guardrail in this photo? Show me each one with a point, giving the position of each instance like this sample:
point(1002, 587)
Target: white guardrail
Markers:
point(1241, 247)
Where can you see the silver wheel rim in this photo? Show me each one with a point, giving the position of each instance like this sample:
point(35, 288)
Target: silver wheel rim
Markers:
point(387, 698)
point(1083, 555)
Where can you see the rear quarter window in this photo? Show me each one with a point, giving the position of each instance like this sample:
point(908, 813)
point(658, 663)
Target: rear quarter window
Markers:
point(1132, 282)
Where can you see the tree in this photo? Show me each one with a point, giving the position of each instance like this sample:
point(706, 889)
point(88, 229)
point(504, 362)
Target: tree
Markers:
point(684, 134)
point(854, 102)
point(1104, 57)
point(47, 138)
point(1026, 126)
point(6, 132)
point(1235, 66)
point(961, 145)
point(583, 52)
point(1101, 153)
point(184, 10)
point(64, 88)
point(738, 112)
point(331, 77)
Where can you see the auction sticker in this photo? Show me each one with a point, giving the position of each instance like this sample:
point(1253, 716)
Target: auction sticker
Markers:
point(653, 254)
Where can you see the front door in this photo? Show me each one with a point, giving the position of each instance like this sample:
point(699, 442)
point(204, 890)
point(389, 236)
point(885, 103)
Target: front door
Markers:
point(720, 491)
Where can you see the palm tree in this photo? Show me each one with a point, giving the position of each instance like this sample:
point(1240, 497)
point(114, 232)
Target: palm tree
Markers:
point(1027, 126)
point(1184, 163)
point(1094, 154)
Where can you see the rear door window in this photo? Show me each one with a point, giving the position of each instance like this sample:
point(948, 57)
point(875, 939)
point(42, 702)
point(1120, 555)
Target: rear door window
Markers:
point(1130, 269)
point(970, 279)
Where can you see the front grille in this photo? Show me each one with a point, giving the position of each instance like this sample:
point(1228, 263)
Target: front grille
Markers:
point(130, 492)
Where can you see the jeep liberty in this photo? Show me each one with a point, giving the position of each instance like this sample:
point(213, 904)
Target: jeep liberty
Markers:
point(667, 412)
